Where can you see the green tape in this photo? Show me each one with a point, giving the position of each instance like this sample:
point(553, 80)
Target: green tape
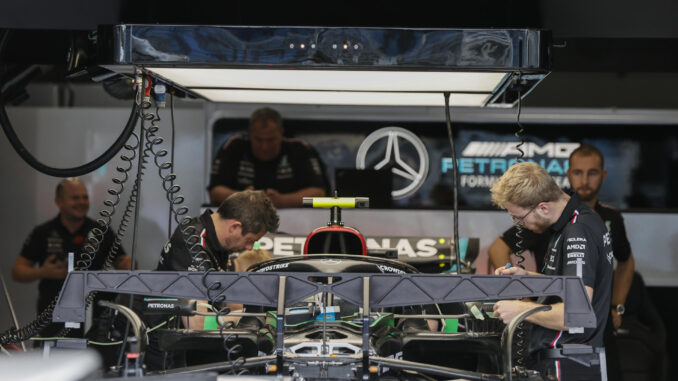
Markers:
point(210, 323)
point(451, 325)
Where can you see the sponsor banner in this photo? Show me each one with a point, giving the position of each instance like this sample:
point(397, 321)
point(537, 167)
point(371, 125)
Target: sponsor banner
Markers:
point(639, 167)
point(407, 247)
point(482, 162)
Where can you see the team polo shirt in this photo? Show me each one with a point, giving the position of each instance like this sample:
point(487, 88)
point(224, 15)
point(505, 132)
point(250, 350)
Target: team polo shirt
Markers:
point(296, 167)
point(52, 238)
point(194, 247)
point(538, 243)
point(581, 246)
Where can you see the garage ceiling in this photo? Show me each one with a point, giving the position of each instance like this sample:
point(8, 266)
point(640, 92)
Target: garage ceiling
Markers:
point(607, 54)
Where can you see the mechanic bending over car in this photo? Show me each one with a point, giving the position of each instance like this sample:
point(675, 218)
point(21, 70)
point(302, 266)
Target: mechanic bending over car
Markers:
point(241, 219)
point(580, 245)
point(586, 174)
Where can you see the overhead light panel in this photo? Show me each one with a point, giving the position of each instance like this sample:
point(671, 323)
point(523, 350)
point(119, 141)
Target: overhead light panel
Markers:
point(342, 66)
point(342, 98)
point(334, 80)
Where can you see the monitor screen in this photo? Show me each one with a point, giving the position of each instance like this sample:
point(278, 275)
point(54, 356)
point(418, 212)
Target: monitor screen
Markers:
point(372, 183)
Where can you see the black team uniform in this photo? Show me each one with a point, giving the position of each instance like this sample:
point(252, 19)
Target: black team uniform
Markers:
point(621, 248)
point(297, 167)
point(52, 238)
point(580, 245)
point(206, 253)
point(202, 253)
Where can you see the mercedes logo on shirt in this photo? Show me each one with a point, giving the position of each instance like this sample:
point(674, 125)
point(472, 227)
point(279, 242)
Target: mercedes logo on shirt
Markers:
point(413, 170)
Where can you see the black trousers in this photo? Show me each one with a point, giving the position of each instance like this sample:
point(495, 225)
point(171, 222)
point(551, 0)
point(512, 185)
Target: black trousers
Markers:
point(568, 370)
point(611, 351)
point(578, 367)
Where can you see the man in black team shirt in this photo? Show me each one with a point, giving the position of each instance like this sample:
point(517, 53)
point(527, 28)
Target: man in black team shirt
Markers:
point(580, 245)
point(586, 174)
point(44, 254)
point(286, 169)
point(204, 244)
point(206, 241)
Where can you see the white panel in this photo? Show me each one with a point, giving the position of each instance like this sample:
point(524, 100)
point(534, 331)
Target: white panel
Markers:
point(349, 80)
point(340, 98)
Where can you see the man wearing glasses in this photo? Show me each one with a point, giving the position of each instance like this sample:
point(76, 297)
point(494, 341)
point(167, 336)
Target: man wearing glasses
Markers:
point(580, 245)
point(586, 174)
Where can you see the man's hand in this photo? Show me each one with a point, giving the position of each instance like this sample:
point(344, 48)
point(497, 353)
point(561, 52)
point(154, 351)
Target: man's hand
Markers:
point(276, 197)
point(506, 310)
point(515, 270)
point(616, 319)
point(53, 268)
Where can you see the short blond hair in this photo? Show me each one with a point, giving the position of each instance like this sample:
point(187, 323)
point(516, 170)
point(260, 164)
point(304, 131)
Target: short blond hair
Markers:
point(525, 185)
point(250, 257)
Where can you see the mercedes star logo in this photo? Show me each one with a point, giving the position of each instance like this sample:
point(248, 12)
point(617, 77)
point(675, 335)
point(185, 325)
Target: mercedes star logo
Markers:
point(397, 139)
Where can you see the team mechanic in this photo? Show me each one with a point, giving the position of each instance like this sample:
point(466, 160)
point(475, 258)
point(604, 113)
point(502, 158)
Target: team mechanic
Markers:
point(241, 219)
point(586, 174)
point(286, 169)
point(204, 244)
point(580, 246)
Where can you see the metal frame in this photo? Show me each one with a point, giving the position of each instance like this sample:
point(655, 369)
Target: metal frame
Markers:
point(264, 289)
point(515, 52)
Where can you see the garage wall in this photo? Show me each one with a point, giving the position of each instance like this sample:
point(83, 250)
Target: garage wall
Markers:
point(67, 137)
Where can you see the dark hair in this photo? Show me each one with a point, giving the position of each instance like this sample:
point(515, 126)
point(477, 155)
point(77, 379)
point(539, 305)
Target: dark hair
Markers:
point(588, 150)
point(253, 209)
point(266, 113)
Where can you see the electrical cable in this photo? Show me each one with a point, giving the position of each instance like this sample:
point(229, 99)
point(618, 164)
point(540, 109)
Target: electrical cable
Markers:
point(520, 135)
point(169, 223)
point(455, 185)
point(200, 258)
point(85, 258)
point(51, 171)
point(219, 299)
point(90, 249)
point(65, 172)
point(143, 104)
point(520, 344)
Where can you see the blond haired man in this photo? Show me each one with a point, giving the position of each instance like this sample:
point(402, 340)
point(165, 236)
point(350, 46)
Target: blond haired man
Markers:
point(580, 245)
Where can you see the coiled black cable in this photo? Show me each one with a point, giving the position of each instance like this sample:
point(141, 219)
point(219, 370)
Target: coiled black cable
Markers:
point(91, 248)
point(519, 158)
point(521, 130)
point(14, 335)
point(520, 341)
point(89, 251)
point(234, 352)
point(201, 260)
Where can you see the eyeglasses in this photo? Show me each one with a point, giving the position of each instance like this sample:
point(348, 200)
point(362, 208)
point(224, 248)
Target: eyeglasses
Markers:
point(519, 220)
